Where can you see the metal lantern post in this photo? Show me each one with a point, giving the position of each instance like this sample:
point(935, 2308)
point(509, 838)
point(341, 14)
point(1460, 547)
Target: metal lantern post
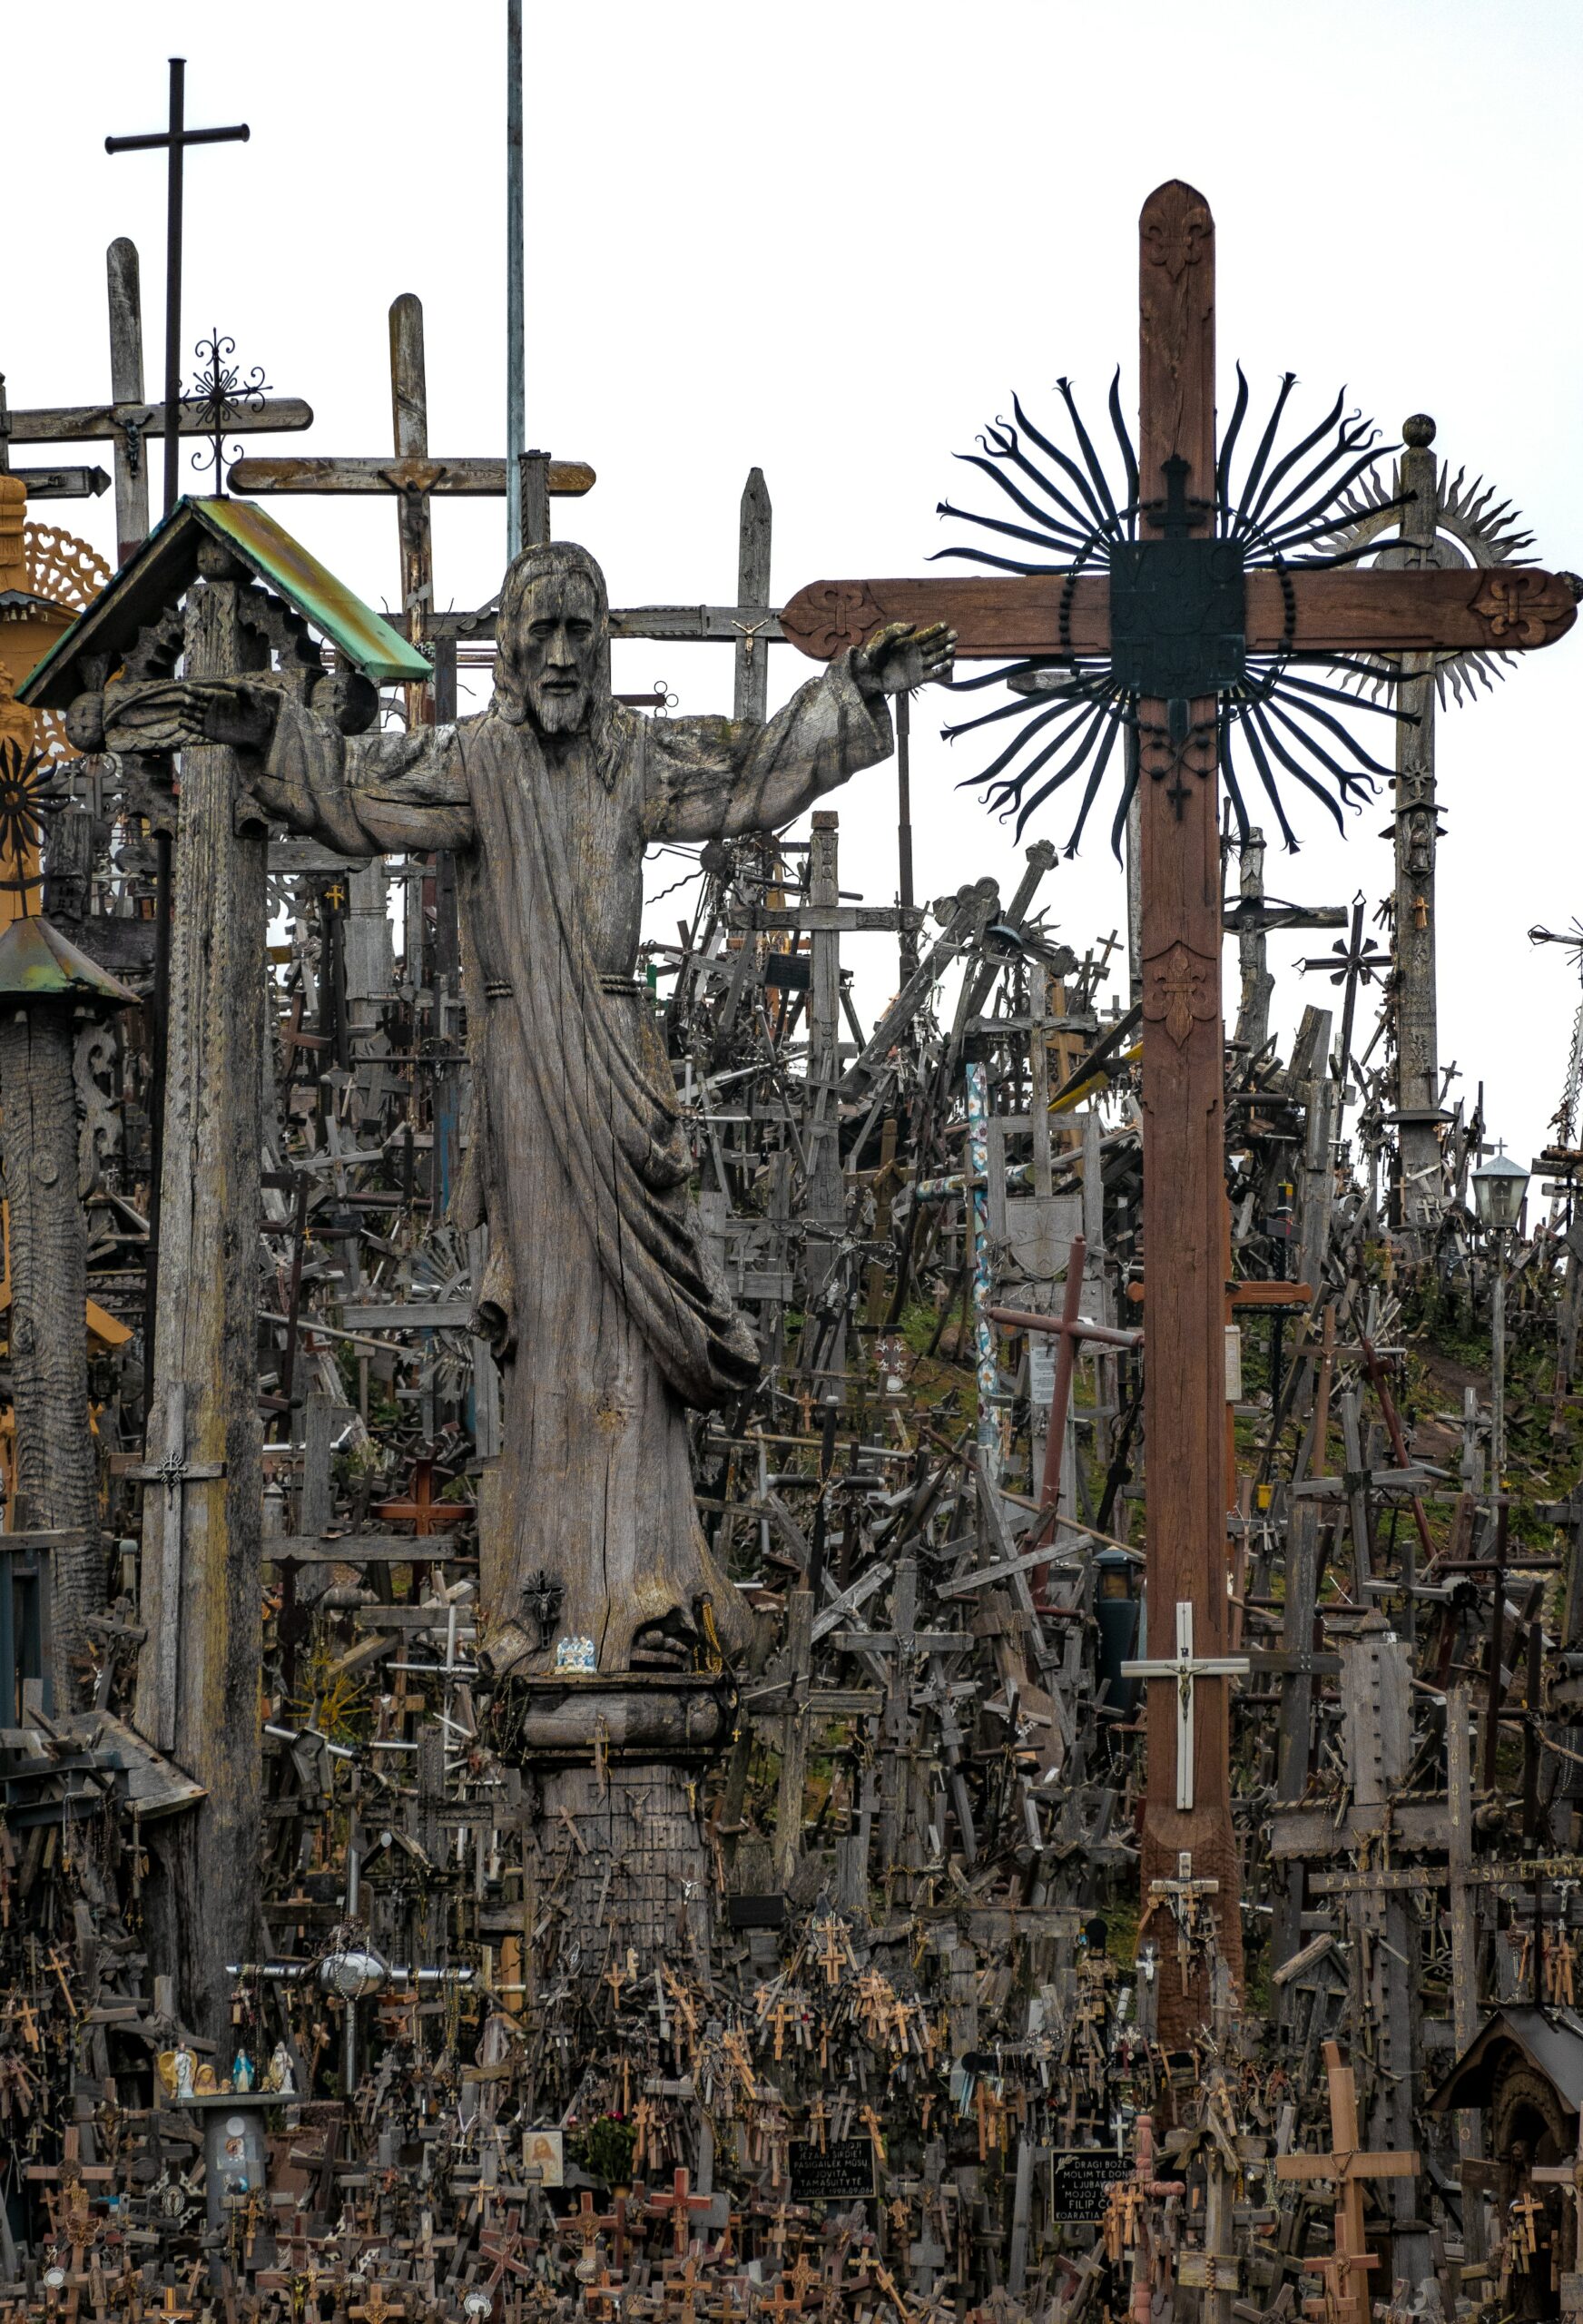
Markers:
point(1499, 1190)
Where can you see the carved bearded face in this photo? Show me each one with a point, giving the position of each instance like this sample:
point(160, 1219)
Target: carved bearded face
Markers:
point(555, 650)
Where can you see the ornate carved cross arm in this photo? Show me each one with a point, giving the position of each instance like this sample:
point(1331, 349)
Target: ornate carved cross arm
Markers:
point(1211, 598)
point(1344, 611)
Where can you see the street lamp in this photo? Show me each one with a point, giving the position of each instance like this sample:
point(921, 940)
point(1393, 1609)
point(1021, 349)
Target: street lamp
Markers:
point(1499, 1186)
point(1500, 1189)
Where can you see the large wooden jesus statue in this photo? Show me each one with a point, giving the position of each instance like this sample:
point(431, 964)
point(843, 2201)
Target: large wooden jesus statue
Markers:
point(599, 1299)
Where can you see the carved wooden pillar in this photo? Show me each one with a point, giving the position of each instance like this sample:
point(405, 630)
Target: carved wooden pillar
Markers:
point(55, 1479)
point(198, 1681)
point(1417, 1076)
point(615, 1759)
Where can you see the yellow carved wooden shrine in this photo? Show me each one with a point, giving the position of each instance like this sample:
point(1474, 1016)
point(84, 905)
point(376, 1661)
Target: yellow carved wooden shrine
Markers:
point(46, 578)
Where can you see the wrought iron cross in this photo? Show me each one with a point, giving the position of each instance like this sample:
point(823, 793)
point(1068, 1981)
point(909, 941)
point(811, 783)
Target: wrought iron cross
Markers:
point(174, 139)
point(1351, 961)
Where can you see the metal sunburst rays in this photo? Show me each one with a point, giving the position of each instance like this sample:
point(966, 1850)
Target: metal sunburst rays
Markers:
point(1286, 509)
point(1471, 528)
point(29, 790)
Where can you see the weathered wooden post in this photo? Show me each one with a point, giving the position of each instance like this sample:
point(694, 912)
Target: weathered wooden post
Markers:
point(1252, 1024)
point(46, 986)
point(826, 1191)
point(1376, 1712)
point(410, 429)
point(192, 592)
point(1419, 1112)
point(198, 1678)
point(126, 388)
point(751, 690)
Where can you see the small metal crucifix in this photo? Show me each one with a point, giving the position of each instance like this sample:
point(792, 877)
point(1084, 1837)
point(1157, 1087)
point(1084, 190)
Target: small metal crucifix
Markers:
point(1186, 1671)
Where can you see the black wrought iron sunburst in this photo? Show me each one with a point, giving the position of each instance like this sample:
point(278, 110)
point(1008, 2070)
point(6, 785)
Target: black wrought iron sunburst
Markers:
point(28, 793)
point(1275, 516)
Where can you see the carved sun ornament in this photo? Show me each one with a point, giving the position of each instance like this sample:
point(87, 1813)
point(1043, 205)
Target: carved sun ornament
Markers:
point(26, 796)
point(1472, 526)
point(70, 573)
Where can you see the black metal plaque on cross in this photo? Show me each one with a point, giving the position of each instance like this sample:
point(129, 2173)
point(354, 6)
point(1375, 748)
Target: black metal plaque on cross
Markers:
point(837, 2173)
point(1080, 2185)
point(1177, 606)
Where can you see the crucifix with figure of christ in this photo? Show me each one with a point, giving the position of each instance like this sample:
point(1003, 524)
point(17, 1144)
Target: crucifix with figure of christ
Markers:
point(1206, 610)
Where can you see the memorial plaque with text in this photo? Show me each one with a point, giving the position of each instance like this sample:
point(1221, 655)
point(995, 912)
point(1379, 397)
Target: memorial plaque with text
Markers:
point(839, 2173)
point(1080, 2185)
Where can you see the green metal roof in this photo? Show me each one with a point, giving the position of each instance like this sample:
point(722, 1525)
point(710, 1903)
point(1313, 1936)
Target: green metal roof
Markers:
point(163, 566)
point(362, 635)
point(38, 963)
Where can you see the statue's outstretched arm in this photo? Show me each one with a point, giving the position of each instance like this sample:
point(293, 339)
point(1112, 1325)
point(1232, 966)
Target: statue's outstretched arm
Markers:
point(374, 793)
point(713, 778)
point(361, 794)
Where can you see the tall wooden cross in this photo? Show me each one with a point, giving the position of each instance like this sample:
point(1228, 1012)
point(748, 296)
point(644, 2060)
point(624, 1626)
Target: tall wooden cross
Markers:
point(413, 475)
point(1183, 621)
point(173, 141)
point(1345, 2169)
point(126, 420)
point(1431, 518)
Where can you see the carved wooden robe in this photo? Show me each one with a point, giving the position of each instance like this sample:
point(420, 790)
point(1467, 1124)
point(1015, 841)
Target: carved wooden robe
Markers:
point(600, 1298)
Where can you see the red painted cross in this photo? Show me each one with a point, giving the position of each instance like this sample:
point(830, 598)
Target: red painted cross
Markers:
point(681, 2204)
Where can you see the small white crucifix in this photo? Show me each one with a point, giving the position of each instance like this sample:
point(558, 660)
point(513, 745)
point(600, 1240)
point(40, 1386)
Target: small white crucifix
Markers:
point(1186, 1670)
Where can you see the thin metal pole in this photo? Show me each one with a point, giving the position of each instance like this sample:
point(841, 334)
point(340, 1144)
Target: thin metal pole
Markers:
point(908, 948)
point(1497, 1367)
point(159, 1031)
point(174, 281)
point(978, 1249)
point(515, 386)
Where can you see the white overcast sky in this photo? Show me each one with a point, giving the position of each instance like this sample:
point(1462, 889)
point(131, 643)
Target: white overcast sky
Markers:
point(831, 242)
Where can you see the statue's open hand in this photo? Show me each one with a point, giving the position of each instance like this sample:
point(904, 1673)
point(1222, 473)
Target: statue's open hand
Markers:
point(899, 657)
point(183, 713)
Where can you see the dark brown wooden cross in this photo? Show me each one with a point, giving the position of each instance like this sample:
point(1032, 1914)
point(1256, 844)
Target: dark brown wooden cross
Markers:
point(1304, 612)
point(420, 1508)
point(587, 2224)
